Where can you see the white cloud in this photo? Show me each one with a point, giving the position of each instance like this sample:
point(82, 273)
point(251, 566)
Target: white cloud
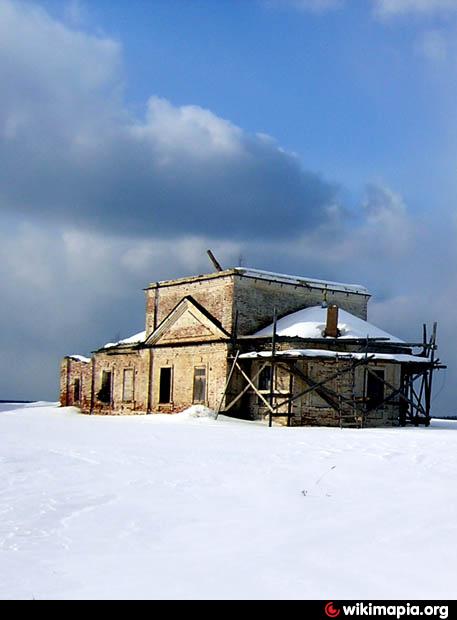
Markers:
point(383, 8)
point(188, 129)
point(48, 64)
point(387, 8)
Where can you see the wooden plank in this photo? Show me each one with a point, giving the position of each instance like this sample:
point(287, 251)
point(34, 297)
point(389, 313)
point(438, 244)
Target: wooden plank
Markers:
point(392, 387)
point(322, 391)
point(215, 262)
point(272, 375)
point(243, 392)
point(321, 383)
point(289, 404)
point(227, 384)
point(254, 388)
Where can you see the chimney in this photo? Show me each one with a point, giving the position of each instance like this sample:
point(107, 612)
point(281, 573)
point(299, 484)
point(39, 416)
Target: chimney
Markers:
point(331, 329)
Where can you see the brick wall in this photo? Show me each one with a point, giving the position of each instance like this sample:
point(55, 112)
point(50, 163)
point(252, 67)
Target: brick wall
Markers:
point(138, 361)
point(70, 371)
point(214, 293)
point(182, 361)
point(255, 300)
point(311, 409)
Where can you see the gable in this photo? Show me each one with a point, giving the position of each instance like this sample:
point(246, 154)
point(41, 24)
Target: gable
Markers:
point(189, 326)
point(188, 322)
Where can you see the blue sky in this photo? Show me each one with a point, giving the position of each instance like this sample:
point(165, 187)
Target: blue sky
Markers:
point(351, 93)
point(309, 136)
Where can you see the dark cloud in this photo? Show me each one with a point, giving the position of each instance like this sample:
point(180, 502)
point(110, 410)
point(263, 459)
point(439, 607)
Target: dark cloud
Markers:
point(70, 151)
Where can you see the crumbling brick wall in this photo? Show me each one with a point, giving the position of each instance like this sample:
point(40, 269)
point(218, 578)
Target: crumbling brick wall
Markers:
point(72, 370)
point(130, 360)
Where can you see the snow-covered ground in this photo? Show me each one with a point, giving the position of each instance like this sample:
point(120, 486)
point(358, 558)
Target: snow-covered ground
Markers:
point(188, 507)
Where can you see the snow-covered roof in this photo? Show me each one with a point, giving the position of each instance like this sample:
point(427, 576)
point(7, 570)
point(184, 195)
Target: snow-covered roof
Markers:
point(311, 322)
point(301, 280)
point(325, 353)
point(80, 358)
point(135, 339)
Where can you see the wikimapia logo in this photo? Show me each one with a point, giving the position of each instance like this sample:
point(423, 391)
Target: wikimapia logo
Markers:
point(397, 611)
point(331, 611)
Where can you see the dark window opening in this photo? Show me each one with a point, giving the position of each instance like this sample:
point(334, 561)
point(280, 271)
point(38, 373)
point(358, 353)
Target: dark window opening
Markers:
point(77, 390)
point(265, 378)
point(199, 385)
point(104, 394)
point(165, 386)
point(375, 388)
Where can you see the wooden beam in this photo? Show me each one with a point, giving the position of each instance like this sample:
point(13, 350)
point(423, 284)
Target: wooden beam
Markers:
point(254, 388)
point(430, 377)
point(321, 383)
point(289, 404)
point(272, 375)
point(213, 259)
point(388, 398)
point(243, 392)
point(392, 387)
point(227, 384)
point(321, 390)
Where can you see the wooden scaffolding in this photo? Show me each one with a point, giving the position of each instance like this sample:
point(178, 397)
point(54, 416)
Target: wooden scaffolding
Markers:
point(412, 398)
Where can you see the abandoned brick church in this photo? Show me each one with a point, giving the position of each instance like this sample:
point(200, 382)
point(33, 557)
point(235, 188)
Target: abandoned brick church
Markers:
point(259, 345)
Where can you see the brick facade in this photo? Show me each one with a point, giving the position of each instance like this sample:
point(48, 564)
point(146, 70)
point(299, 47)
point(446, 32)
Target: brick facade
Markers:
point(186, 356)
point(254, 299)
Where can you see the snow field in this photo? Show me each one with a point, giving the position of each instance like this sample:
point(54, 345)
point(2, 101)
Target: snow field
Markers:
point(184, 506)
